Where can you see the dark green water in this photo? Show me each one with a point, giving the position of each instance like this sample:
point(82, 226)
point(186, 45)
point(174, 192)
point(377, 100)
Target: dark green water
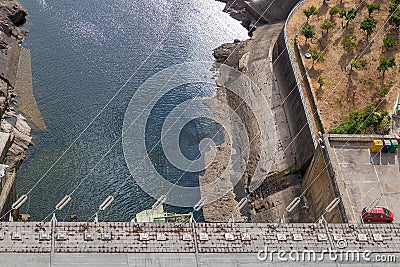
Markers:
point(82, 53)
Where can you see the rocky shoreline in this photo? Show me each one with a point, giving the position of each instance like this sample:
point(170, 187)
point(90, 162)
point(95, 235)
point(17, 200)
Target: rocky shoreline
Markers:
point(14, 129)
point(253, 58)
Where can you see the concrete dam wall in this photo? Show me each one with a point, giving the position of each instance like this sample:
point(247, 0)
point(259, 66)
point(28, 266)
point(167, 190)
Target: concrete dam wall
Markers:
point(293, 105)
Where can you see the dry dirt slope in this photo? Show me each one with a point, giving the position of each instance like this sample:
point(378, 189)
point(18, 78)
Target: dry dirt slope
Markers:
point(344, 92)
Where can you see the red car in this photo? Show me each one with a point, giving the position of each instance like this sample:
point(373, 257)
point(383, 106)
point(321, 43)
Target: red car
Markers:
point(378, 214)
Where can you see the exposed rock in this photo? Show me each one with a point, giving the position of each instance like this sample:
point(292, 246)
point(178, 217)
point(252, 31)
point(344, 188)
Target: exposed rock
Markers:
point(22, 125)
point(18, 15)
point(12, 10)
point(9, 114)
point(6, 126)
point(252, 58)
point(230, 53)
point(12, 16)
point(258, 13)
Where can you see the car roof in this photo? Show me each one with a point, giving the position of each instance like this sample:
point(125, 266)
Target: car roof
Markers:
point(377, 210)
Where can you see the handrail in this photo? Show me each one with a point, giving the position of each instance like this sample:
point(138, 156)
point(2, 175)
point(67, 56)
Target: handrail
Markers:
point(291, 58)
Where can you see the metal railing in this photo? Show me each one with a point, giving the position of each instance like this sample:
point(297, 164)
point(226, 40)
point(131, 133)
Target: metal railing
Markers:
point(299, 87)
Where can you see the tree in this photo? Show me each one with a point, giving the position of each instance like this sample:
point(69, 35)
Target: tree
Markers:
point(321, 80)
point(327, 25)
point(385, 64)
point(316, 55)
point(372, 7)
point(368, 25)
point(389, 42)
point(350, 15)
point(394, 17)
point(342, 14)
point(349, 42)
point(308, 31)
point(312, 10)
point(333, 11)
point(392, 8)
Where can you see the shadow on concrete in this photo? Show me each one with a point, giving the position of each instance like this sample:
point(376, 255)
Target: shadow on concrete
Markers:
point(383, 158)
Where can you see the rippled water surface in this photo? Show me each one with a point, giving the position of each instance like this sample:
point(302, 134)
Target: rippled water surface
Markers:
point(82, 54)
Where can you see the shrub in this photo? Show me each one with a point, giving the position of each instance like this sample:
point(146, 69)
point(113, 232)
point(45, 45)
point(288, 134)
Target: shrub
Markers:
point(389, 42)
point(349, 42)
point(366, 121)
point(316, 55)
point(383, 91)
point(358, 64)
point(321, 80)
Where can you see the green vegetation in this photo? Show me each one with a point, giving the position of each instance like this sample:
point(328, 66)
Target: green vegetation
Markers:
point(392, 9)
point(349, 42)
point(369, 81)
point(394, 15)
point(385, 64)
point(358, 64)
point(308, 31)
point(312, 10)
point(348, 15)
point(389, 42)
point(383, 91)
point(368, 25)
point(366, 82)
point(316, 55)
point(342, 13)
point(367, 121)
point(327, 25)
point(372, 7)
point(321, 80)
point(333, 11)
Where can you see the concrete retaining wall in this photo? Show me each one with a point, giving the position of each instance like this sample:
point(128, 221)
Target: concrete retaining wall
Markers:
point(320, 188)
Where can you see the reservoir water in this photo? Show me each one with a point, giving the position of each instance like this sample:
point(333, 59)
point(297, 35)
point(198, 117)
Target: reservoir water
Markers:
point(82, 54)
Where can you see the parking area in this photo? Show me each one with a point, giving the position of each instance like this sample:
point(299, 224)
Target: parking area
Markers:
point(367, 177)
